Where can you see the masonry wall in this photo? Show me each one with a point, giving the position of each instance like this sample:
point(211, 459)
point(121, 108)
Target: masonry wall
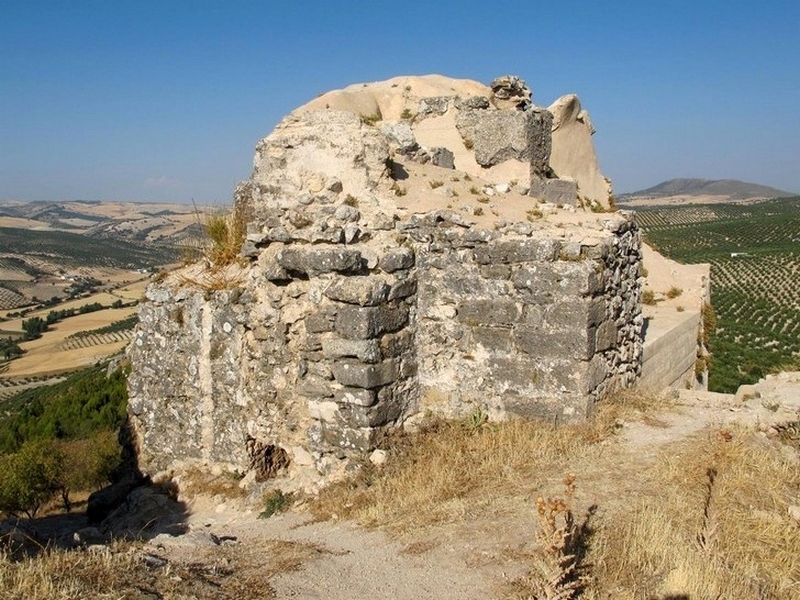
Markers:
point(527, 326)
point(351, 314)
point(322, 348)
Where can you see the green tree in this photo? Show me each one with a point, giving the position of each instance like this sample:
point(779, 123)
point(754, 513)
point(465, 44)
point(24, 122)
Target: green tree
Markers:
point(34, 327)
point(87, 464)
point(30, 478)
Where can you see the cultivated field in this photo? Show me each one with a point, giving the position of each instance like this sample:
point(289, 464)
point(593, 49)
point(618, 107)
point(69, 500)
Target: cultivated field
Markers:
point(754, 251)
point(72, 343)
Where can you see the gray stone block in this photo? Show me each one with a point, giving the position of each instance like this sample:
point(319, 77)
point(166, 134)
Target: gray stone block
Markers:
point(360, 375)
point(403, 289)
point(370, 321)
point(357, 396)
point(313, 261)
point(358, 440)
point(442, 157)
point(499, 135)
point(397, 344)
point(320, 321)
point(367, 351)
point(578, 343)
point(502, 311)
point(557, 191)
point(402, 258)
point(606, 335)
point(496, 271)
point(493, 338)
point(361, 290)
point(381, 413)
point(516, 251)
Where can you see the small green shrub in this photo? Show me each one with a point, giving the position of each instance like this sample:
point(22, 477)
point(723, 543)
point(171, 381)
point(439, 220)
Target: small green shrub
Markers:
point(275, 502)
point(370, 119)
point(648, 297)
point(407, 114)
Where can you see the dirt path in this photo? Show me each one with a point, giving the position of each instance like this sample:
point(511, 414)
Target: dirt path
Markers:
point(472, 558)
point(290, 556)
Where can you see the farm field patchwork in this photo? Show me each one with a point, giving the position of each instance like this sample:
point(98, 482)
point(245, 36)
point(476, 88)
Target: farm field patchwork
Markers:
point(754, 252)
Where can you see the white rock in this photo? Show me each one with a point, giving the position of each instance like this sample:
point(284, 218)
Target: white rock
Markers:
point(378, 457)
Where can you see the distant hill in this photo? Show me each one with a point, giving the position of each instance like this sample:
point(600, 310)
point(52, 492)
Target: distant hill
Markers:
point(677, 191)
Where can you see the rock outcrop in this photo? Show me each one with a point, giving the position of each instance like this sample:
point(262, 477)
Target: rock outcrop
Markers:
point(573, 153)
point(394, 263)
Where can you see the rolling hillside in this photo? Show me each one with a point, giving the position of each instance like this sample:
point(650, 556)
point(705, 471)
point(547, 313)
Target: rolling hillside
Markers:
point(682, 191)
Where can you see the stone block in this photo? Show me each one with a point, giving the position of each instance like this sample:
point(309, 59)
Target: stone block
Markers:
point(592, 374)
point(368, 322)
point(380, 414)
point(367, 351)
point(539, 127)
point(493, 338)
point(360, 375)
point(313, 261)
point(577, 343)
point(361, 290)
point(606, 335)
point(397, 344)
point(516, 251)
point(442, 157)
point(569, 313)
point(559, 278)
point(320, 321)
point(403, 289)
point(496, 135)
point(402, 258)
point(514, 373)
point(496, 271)
point(358, 440)
point(556, 191)
point(357, 396)
point(502, 311)
point(315, 388)
point(323, 410)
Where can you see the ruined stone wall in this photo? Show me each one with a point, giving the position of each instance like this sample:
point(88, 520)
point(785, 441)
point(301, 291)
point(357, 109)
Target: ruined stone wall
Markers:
point(377, 282)
point(323, 347)
point(515, 324)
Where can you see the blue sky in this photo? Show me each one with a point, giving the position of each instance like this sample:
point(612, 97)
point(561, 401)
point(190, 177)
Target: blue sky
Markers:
point(121, 100)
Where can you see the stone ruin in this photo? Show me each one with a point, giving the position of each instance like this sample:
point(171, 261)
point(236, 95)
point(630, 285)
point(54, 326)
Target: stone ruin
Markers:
point(412, 247)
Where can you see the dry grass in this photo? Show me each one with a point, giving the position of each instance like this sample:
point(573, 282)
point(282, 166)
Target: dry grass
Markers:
point(226, 235)
point(704, 518)
point(713, 523)
point(450, 471)
point(128, 571)
point(196, 481)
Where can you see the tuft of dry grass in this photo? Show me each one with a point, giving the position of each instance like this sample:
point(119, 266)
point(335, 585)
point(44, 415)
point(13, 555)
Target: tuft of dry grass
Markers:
point(225, 235)
point(196, 481)
point(714, 523)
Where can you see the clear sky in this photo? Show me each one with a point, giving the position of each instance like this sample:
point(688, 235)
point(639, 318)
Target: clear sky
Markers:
point(144, 100)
